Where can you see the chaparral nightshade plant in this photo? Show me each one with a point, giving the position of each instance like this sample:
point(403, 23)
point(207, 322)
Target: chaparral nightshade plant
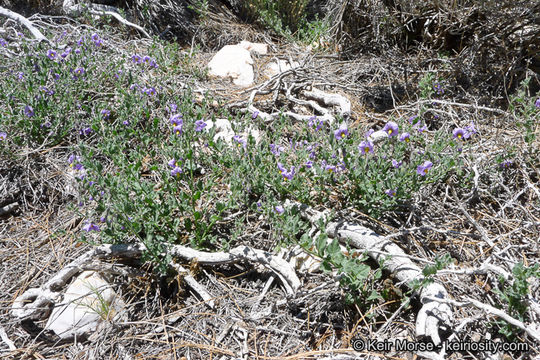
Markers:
point(391, 128)
point(423, 169)
point(341, 132)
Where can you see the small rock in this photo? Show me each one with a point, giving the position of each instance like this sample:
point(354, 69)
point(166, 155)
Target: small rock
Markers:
point(259, 48)
point(280, 66)
point(235, 62)
point(88, 305)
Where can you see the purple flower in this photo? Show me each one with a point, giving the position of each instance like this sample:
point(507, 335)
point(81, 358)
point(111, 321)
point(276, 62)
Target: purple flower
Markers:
point(172, 163)
point(86, 131)
point(46, 124)
point(136, 58)
point(90, 226)
point(150, 91)
point(365, 147)
point(178, 129)
point(422, 129)
point(255, 114)
point(94, 37)
point(287, 175)
point(200, 125)
point(369, 133)
point(103, 219)
point(537, 103)
point(20, 76)
point(173, 108)
point(240, 142)
point(65, 53)
point(153, 64)
point(458, 133)
point(396, 164)
point(73, 160)
point(51, 54)
point(125, 122)
point(3, 42)
point(412, 120)
point(3, 135)
point(176, 172)
point(79, 72)
point(470, 130)
point(146, 59)
point(422, 170)
point(314, 122)
point(506, 163)
point(405, 137)
point(330, 168)
point(279, 209)
point(308, 164)
point(105, 113)
point(29, 111)
point(276, 149)
point(391, 128)
point(341, 132)
point(391, 192)
point(176, 120)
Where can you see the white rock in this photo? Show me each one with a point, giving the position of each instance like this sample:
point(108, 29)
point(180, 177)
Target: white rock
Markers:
point(235, 62)
point(88, 304)
point(378, 136)
point(225, 131)
point(258, 48)
point(280, 66)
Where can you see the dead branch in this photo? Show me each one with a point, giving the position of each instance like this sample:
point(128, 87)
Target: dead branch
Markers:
point(25, 22)
point(431, 316)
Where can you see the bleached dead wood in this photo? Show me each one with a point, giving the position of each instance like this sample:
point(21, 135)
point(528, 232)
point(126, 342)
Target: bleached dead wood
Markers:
point(35, 303)
point(73, 9)
point(531, 331)
point(25, 22)
point(433, 315)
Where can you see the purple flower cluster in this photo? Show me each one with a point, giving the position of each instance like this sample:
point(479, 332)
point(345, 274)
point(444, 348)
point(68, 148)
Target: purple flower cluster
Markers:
point(138, 59)
point(506, 163)
point(90, 226)
point(287, 175)
point(74, 162)
point(176, 170)
point(178, 123)
point(200, 125)
point(316, 123)
point(437, 87)
point(105, 114)
point(96, 39)
point(276, 149)
point(464, 133)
